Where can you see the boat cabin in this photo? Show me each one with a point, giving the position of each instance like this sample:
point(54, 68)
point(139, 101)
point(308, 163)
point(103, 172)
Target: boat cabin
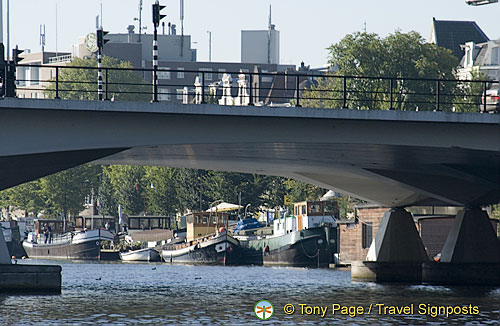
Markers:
point(311, 214)
point(308, 214)
point(57, 226)
point(150, 222)
point(94, 222)
point(200, 224)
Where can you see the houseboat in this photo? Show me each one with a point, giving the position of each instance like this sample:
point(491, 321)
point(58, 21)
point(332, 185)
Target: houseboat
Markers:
point(64, 241)
point(207, 242)
point(308, 238)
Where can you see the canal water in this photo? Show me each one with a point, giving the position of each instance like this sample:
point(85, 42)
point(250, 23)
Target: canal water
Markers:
point(162, 294)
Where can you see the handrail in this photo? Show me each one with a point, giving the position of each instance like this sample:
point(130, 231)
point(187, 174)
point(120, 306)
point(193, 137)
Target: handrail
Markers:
point(285, 88)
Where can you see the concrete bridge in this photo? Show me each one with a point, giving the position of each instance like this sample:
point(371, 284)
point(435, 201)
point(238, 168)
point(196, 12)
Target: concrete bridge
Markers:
point(393, 158)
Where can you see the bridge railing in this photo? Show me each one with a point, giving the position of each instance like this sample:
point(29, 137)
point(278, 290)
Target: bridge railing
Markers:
point(242, 88)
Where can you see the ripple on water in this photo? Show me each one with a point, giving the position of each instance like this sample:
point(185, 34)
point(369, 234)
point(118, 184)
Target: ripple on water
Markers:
point(137, 294)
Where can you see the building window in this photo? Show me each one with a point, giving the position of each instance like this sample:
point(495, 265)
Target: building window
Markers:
point(494, 56)
point(164, 73)
point(221, 74)
point(163, 94)
point(208, 73)
point(367, 234)
point(180, 74)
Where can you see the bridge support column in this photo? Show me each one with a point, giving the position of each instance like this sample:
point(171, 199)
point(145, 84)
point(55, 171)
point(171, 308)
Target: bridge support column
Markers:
point(397, 252)
point(4, 251)
point(470, 255)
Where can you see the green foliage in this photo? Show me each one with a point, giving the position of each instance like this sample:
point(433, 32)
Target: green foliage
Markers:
point(300, 191)
point(64, 192)
point(400, 55)
point(128, 186)
point(26, 196)
point(81, 83)
point(468, 95)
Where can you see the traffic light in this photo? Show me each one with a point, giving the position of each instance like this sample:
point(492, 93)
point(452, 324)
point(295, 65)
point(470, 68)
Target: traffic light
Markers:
point(9, 80)
point(15, 55)
point(156, 14)
point(100, 38)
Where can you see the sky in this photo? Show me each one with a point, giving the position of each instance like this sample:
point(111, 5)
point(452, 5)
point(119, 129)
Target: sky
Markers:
point(307, 28)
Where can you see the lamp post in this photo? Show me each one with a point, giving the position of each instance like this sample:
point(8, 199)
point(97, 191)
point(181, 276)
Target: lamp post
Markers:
point(209, 46)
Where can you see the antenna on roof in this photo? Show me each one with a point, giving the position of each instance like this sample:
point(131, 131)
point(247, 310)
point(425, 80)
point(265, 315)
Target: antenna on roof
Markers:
point(42, 37)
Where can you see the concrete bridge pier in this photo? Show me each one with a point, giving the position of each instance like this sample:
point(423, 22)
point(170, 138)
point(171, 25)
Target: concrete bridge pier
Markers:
point(396, 254)
point(471, 253)
point(21, 279)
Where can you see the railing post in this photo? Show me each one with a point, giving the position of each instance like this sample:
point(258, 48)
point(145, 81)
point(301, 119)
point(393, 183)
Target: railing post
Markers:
point(391, 86)
point(484, 97)
point(251, 89)
point(106, 83)
point(344, 105)
point(203, 87)
point(5, 83)
point(298, 91)
point(57, 84)
point(438, 108)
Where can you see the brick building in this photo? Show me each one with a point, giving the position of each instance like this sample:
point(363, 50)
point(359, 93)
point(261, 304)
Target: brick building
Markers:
point(356, 235)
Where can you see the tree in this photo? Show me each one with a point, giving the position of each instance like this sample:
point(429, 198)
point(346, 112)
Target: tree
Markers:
point(400, 55)
point(81, 83)
point(128, 187)
point(64, 192)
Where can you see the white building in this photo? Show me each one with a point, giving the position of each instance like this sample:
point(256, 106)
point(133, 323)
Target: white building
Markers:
point(260, 46)
point(482, 57)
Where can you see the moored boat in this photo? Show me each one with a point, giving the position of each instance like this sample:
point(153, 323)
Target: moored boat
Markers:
point(145, 254)
point(68, 245)
point(207, 242)
point(306, 239)
point(221, 249)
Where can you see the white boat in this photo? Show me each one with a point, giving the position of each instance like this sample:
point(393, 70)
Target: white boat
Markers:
point(146, 254)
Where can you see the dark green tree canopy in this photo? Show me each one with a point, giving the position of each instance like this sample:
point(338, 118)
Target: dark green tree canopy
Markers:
point(399, 55)
point(81, 83)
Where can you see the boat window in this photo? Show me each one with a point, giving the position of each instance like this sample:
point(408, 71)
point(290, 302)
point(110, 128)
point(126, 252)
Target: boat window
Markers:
point(303, 209)
point(197, 219)
point(330, 209)
point(79, 222)
point(205, 219)
point(314, 209)
point(155, 223)
point(214, 219)
point(134, 223)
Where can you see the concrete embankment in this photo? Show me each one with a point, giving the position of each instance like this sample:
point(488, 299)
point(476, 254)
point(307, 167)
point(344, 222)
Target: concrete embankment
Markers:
point(21, 279)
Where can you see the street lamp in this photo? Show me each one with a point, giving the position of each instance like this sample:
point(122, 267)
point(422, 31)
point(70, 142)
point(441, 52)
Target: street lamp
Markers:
point(479, 2)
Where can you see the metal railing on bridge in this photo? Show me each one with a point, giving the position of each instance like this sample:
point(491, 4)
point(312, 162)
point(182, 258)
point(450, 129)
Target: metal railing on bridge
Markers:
point(244, 88)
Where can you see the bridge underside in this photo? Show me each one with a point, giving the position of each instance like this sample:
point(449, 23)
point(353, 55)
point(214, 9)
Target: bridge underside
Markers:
point(392, 158)
point(385, 174)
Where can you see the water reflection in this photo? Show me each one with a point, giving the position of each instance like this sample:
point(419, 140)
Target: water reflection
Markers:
point(160, 294)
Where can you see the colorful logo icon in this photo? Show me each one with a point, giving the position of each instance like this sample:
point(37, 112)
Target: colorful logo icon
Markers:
point(263, 310)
